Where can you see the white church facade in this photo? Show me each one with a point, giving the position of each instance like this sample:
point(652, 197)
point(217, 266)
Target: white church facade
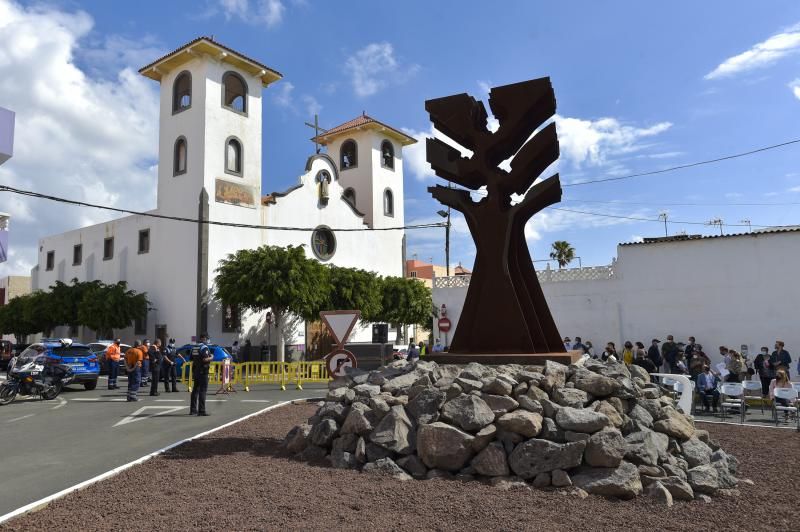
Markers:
point(210, 138)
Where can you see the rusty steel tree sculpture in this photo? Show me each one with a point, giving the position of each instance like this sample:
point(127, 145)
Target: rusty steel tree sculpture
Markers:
point(505, 311)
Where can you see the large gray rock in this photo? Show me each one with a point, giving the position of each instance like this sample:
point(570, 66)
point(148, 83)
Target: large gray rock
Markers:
point(680, 489)
point(521, 422)
point(341, 395)
point(341, 459)
point(500, 404)
point(622, 482)
point(500, 385)
point(491, 461)
point(424, 408)
point(345, 442)
point(613, 370)
point(570, 397)
point(696, 452)
point(645, 447)
point(675, 424)
point(640, 414)
point(704, 479)
point(395, 432)
point(560, 479)
point(604, 407)
point(360, 453)
point(536, 393)
point(659, 493)
point(376, 452)
point(653, 407)
point(536, 456)
point(367, 390)
point(413, 465)
point(468, 412)
point(483, 437)
point(401, 383)
point(605, 448)
point(297, 439)
point(581, 419)
point(730, 462)
point(322, 433)
point(594, 383)
point(551, 431)
point(531, 405)
point(468, 384)
point(333, 410)
point(638, 372)
point(386, 467)
point(359, 421)
point(442, 446)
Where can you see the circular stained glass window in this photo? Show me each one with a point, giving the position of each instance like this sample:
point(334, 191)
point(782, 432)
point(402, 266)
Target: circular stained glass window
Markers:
point(323, 243)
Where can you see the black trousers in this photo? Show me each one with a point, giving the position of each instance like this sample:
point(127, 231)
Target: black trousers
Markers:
point(199, 389)
point(155, 370)
point(170, 376)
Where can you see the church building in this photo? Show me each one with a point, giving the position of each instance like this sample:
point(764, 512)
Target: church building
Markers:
point(209, 168)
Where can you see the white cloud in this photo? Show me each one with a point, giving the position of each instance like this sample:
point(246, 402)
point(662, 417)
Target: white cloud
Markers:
point(734, 195)
point(760, 55)
point(557, 219)
point(414, 157)
point(313, 107)
point(283, 94)
point(794, 189)
point(84, 137)
point(268, 12)
point(795, 86)
point(374, 67)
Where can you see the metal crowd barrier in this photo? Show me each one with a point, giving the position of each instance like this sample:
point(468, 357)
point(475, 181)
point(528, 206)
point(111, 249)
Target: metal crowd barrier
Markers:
point(249, 373)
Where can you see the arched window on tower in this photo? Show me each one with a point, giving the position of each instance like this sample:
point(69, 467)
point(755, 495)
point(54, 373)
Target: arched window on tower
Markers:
point(387, 155)
point(348, 155)
point(182, 92)
point(233, 156)
point(388, 202)
point(234, 92)
point(350, 196)
point(179, 157)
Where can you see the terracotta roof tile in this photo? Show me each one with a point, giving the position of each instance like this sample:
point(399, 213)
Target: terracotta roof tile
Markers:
point(357, 122)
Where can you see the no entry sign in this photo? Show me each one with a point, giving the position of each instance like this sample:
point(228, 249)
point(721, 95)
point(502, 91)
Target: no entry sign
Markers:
point(444, 324)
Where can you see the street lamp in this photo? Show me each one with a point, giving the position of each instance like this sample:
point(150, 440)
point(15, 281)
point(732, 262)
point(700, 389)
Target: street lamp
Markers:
point(446, 214)
point(270, 318)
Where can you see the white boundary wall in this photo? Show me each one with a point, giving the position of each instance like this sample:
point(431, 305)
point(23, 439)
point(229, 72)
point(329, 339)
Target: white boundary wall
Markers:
point(732, 290)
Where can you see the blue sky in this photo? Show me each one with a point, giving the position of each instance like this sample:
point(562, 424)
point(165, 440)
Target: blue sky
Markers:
point(640, 86)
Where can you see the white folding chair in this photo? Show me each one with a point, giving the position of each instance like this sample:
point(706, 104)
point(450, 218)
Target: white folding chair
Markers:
point(754, 387)
point(732, 396)
point(790, 395)
point(796, 386)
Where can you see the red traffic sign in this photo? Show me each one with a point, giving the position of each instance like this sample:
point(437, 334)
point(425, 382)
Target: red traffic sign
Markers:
point(338, 360)
point(444, 324)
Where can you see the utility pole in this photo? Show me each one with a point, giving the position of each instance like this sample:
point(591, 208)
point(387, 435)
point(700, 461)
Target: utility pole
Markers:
point(717, 221)
point(446, 214)
point(749, 225)
point(663, 216)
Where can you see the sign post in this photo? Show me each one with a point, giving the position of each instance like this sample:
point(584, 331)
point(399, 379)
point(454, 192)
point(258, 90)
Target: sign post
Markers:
point(340, 324)
point(226, 386)
point(444, 323)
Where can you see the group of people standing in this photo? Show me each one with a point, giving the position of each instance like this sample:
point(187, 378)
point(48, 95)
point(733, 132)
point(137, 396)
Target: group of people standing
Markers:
point(770, 368)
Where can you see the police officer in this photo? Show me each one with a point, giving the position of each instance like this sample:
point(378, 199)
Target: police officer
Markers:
point(201, 361)
point(156, 357)
point(168, 369)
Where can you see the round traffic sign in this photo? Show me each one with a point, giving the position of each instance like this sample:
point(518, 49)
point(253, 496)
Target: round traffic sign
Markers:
point(338, 360)
point(444, 324)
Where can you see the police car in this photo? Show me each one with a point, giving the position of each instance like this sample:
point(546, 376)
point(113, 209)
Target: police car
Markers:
point(219, 353)
point(85, 365)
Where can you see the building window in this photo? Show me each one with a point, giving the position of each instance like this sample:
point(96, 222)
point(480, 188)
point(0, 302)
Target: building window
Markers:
point(388, 203)
point(77, 254)
point(413, 275)
point(387, 155)
point(179, 157)
point(182, 92)
point(348, 155)
point(51, 260)
point(233, 156)
point(231, 318)
point(108, 248)
point(323, 243)
point(144, 241)
point(234, 92)
point(350, 196)
point(140, 325)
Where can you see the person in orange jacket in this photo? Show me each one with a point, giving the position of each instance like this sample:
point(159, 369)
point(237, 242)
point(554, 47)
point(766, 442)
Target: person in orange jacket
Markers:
point(113, 354)
point(133, 363)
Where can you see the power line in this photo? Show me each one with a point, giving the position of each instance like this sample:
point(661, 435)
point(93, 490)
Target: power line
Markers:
point(658, 220)
point(660, 204)
point(684, 166)
point(4, 188)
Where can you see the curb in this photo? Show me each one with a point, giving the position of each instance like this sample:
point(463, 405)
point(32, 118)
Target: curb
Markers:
point(36, 505)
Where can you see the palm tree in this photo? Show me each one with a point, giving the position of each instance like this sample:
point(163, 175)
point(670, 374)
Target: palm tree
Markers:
point(563, 252)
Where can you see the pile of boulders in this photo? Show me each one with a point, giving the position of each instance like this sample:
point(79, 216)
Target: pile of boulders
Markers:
point(594, 427)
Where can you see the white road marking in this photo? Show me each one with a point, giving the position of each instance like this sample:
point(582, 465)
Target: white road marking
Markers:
point(136, 416)
point(215, 400)
point(118, 400)
point(86, 399)
point(61, 402)
point(255, 400)
point(20, 418)
point(170, 400)
point(41, 502)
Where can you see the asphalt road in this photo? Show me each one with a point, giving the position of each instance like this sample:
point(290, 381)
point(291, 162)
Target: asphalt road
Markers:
point(48, 446)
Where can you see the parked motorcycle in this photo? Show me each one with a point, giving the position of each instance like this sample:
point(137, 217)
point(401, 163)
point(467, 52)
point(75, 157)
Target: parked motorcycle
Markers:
point(35, 374)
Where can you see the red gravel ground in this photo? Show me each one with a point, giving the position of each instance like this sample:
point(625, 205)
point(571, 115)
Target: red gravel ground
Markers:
point(238, 479)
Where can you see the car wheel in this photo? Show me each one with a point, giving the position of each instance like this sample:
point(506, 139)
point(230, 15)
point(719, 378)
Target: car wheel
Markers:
point(90, 385)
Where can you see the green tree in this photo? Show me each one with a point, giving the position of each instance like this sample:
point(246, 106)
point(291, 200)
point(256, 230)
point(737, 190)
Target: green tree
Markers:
point(562, 252)
point(406, 302)
point(354, 289)
point(271, 277)
point(13, 318)
point(105, 307)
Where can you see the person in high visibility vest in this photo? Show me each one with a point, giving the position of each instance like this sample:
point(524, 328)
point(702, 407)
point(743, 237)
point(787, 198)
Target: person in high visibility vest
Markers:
point(422, 350)
point(113, 354)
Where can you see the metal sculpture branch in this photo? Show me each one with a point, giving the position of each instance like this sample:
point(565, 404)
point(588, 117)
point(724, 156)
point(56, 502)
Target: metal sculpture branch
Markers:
point(505, 311)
